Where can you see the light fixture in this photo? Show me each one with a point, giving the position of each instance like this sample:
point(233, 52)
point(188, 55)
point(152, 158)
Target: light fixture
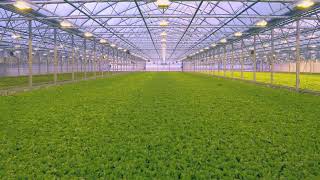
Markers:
point(125, 50)
point(304, 4)
point(113, 45)
point(223, 40)
point(206, 48)
point(201, 50)
point(164, 23)
point(313, 46)
point(163, 40)
point(88, 34)
point(103, 41)
point(238, 34)
point(22, 5)
point(163, 4)
point(312, 36)
point(16, 36)
point(65, 24)
point(262, 23)
point(120, 48)
point(213, 45)
point(163, 34)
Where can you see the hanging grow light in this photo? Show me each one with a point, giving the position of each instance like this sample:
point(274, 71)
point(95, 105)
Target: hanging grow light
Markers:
point(103, 41)
point(304, 4)
point(163, 34)
point(206, 48)
point(15, 36)
point(262, 23)
point(223, 40)
point(163, 40)
point(65, 24)
point(201, 50)
point(213, 45)
point(88, 34)
point(113, 45)
point(238, 34)
point(22, 5)
point(163, 4)
point(164, 23)
point(312, 36)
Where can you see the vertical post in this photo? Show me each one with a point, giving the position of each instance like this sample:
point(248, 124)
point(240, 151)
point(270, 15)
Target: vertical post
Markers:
point(232, 59)
point(241, 58)
point(254, 58)
point(298, 55)
point(55, 57)
point(113, 61)
point(30, 53)
point(219, 60)
point(225, 61)
point(94, 59)
point(207, 62)
point(101, 59)
point(39, 62)
point(47, 62)
point(72, 56)
point(214, 61)
point(272, 58)
point(117, 61)
point(85, 59)
point(19, 59)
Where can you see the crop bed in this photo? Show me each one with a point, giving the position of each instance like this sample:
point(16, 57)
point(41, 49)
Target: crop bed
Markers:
point(22, 81)
point(310, 81)
point(161, 126)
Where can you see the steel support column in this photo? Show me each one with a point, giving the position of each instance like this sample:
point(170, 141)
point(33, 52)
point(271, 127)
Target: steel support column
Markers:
point(298, 55)
point(232, 59)
point(72, 56)
point(254, 57)
point(241, 58)
point(94, 59)
point(272, 58)
point(225, 60)
point(30, 53)
point(55, 56)
point(85, 59)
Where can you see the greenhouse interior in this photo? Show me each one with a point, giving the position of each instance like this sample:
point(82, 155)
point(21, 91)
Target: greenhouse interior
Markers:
point(160, 89)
